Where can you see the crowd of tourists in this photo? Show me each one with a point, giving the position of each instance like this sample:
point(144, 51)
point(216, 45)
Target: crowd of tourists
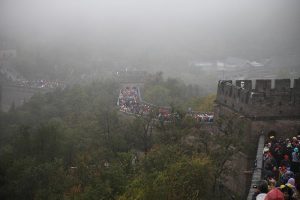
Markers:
point(129, 102)
point(281, 167)
point(164, 114)
point(202, 117)
point(39, 84)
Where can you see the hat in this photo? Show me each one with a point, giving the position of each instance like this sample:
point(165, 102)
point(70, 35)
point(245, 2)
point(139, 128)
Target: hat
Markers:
point(266, 149)
point(289, 185)
point(296, 149)
point(291, 181)
point(269, 144)
point(261, 196)
point(272, 136)
point(282, 186)
point(274, 194)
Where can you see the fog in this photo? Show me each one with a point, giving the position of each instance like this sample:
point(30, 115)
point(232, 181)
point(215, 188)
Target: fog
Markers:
point(118, 99)
point(156, 34)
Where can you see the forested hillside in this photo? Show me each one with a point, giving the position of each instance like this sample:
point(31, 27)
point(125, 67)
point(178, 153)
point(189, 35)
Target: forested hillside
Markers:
point(74, 144)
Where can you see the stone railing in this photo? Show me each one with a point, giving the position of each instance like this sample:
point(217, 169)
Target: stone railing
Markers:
point(257, 172)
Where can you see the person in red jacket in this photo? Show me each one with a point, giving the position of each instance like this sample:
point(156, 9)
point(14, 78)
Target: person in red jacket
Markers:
point(274, 194)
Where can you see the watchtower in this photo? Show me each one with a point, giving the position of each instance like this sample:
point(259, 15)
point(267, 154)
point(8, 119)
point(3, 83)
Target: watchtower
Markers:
point(252, 108)
point(266, 104)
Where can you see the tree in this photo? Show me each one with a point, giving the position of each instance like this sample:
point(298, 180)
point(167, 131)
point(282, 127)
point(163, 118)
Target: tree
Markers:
point(139, 132)
point(158, 95)
point(227, 145)
point(169, 174)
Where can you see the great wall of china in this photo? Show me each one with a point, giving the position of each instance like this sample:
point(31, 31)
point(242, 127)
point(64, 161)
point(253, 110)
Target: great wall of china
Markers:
point(261, 106)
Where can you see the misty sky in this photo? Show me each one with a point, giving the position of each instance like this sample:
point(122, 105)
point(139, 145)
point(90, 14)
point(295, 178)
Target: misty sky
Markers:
point(191, 28)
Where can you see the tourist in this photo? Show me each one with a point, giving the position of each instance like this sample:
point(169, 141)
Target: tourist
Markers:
point(274, 194)
point(295, 160)
point(261, 190)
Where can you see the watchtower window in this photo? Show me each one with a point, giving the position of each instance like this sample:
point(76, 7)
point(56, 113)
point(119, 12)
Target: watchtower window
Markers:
point(242, 84)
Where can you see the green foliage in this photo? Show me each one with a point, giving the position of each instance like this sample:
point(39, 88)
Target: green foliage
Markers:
point(170, 92)
point(203, 104)
point(169, 174)
point(158, 95)
point(74, 144)
point(49, 133)
point(29, 179)
point(108, 185)
point(191, 179)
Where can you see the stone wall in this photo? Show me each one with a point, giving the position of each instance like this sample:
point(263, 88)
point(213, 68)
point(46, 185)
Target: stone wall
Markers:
point(282, 128)
point(259, 99)
point(257, 172)
point(238, 183)
point(226, 119)
point(257, 108)
point(16, 95)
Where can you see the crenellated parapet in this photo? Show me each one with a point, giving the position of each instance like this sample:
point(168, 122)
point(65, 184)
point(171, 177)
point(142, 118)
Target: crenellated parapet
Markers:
point(261, 98)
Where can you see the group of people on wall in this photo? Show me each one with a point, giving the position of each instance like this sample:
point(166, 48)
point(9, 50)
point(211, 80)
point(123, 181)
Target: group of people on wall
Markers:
point(35, 84)
point(281, 170)
point(129, 102)
point(40, 84)
point(202, 117)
